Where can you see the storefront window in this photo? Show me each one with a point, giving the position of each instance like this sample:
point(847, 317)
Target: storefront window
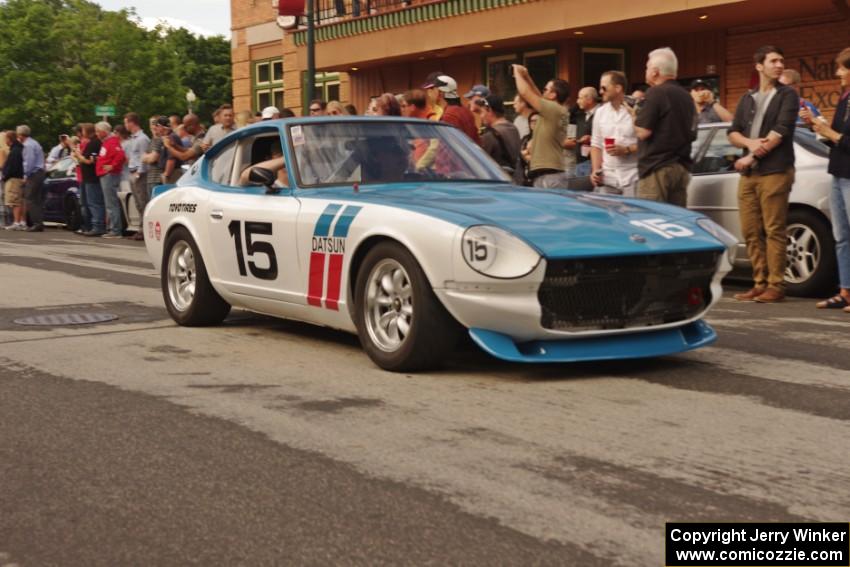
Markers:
point(268, 84)
point(327, 86)
point(542, 66)
point(598, 60)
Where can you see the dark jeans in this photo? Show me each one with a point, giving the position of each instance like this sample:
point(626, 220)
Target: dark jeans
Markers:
point(94, 212)
point(34, 197)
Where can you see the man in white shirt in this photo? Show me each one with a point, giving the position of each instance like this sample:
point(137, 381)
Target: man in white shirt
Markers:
point(225, 125)
point(613, 144)
point(523, 111)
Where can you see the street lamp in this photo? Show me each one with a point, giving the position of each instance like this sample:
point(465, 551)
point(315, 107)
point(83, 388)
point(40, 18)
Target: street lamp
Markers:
point(191, 97)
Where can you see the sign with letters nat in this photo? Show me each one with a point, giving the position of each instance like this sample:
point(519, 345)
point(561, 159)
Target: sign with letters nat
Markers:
point(819, 69)
point(757, 544)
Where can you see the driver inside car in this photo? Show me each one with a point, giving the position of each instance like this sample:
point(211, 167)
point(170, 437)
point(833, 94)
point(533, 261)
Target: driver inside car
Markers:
point(386, 161)
point(276, 164)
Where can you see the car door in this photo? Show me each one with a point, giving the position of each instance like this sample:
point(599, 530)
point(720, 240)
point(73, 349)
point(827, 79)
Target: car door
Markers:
point(714, 183)
point(252, 229)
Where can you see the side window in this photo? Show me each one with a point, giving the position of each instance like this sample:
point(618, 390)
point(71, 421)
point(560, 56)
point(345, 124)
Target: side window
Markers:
point(221, 166)
point(262, 148)
point(718, 156)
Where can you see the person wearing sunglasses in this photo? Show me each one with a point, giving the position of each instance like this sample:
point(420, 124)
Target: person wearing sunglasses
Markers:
point(317, 107)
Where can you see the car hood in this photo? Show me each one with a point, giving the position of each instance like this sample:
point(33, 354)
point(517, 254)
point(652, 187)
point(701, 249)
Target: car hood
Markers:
point(558, 223)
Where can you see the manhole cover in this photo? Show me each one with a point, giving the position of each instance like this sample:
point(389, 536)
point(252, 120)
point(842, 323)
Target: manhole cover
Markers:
point(56, 319)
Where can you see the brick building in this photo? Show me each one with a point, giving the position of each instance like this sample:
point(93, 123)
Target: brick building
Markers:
point(366, 47)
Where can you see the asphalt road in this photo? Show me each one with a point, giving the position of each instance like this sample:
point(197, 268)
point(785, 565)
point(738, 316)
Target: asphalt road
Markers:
point(265, 442)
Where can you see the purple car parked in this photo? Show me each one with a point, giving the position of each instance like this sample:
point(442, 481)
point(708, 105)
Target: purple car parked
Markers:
point(62, 194)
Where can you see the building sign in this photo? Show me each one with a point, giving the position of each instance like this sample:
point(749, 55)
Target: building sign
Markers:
point(819, 69)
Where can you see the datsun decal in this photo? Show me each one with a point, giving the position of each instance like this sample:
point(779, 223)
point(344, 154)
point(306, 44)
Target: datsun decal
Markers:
point(327, 253)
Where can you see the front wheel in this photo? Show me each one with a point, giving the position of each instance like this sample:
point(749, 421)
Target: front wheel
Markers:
point(401, 324)
point(811, 265)
point(189, 296)
point(71, 213)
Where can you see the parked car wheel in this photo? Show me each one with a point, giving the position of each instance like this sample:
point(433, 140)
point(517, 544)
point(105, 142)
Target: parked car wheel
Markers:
point(189, 296)
point(73, 214)
point(401, 323)
point(811, 267)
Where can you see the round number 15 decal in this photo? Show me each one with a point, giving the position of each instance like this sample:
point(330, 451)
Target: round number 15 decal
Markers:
point(254, 247)
point(663, 228)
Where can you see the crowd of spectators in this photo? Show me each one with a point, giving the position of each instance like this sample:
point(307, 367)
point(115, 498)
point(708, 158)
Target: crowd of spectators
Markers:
point(634, 144)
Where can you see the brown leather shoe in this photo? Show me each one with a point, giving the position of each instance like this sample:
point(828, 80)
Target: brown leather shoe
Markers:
point(771, 295)
point(750, 295)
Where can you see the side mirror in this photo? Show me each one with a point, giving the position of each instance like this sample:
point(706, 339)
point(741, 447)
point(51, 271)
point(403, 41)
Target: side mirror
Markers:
point(262, 176)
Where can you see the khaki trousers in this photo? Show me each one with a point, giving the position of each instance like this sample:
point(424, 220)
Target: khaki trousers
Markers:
point(763, 207)
point(668, 184)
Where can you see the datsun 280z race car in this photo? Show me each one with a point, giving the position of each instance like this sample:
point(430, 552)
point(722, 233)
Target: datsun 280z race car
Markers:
point(408, 234)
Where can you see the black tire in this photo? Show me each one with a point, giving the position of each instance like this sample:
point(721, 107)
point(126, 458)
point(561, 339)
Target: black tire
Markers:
point(823, 277)
point(72, 214)
point(432, 332)
point(205, 306)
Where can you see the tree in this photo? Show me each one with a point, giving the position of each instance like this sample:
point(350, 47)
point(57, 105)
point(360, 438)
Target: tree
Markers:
point(205, 68)
point(61, 58)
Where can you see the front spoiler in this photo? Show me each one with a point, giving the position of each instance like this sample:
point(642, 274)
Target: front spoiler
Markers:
point(633, 345)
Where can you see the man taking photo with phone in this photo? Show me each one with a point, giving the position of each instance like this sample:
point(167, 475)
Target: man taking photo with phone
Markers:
point(547, 160)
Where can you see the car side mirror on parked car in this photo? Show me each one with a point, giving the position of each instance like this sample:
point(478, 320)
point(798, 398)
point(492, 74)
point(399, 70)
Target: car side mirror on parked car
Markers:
point(263, 176)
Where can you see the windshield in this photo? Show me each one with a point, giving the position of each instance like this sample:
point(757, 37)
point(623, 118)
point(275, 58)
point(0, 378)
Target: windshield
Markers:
point(62, 168)
point(371, 152)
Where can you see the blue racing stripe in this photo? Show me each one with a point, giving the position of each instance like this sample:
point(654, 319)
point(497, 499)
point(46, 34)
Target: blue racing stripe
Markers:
point(323, 225)
point(345, 220)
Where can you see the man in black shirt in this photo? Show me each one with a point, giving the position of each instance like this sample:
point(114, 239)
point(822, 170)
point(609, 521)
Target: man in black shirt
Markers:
point(764, 126)
point(93, 208)
point(499, 137)
point(665, 127)
point(13, 179)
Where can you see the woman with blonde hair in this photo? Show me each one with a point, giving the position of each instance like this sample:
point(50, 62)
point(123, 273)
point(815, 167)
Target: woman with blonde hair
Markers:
point(335, 108)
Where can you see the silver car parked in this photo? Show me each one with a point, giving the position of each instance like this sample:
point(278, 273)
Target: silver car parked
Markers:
point(811, 248)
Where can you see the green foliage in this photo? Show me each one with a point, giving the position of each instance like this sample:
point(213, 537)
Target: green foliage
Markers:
point(61, 58)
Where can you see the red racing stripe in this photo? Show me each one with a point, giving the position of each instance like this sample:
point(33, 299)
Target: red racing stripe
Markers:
point(316, 282)
point(334, 281)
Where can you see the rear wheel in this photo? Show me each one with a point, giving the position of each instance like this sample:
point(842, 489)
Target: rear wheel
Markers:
point(189, 296)
point(811, 265)
point(401, 323)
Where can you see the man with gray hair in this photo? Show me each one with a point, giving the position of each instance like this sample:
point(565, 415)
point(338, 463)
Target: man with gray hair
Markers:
point(109, 165)
point(34, 174)
point(587, 104)
point(665, 127)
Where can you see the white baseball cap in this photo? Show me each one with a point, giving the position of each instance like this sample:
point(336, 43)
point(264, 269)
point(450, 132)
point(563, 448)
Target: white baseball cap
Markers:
point(270, 112)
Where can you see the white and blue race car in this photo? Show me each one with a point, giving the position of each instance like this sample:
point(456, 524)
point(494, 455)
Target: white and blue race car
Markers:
point(408, 234)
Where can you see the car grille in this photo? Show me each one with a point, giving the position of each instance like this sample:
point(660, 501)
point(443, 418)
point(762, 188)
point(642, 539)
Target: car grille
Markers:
point(625, 292)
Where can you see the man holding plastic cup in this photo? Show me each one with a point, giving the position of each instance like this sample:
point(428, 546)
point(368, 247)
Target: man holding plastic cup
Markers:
point(613, 144)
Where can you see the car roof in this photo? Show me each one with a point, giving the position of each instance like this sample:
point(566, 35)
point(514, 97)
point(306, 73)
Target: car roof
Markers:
point(336, 119)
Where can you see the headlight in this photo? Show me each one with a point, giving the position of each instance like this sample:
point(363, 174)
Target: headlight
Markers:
point(721, 234)
point(497, 253)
